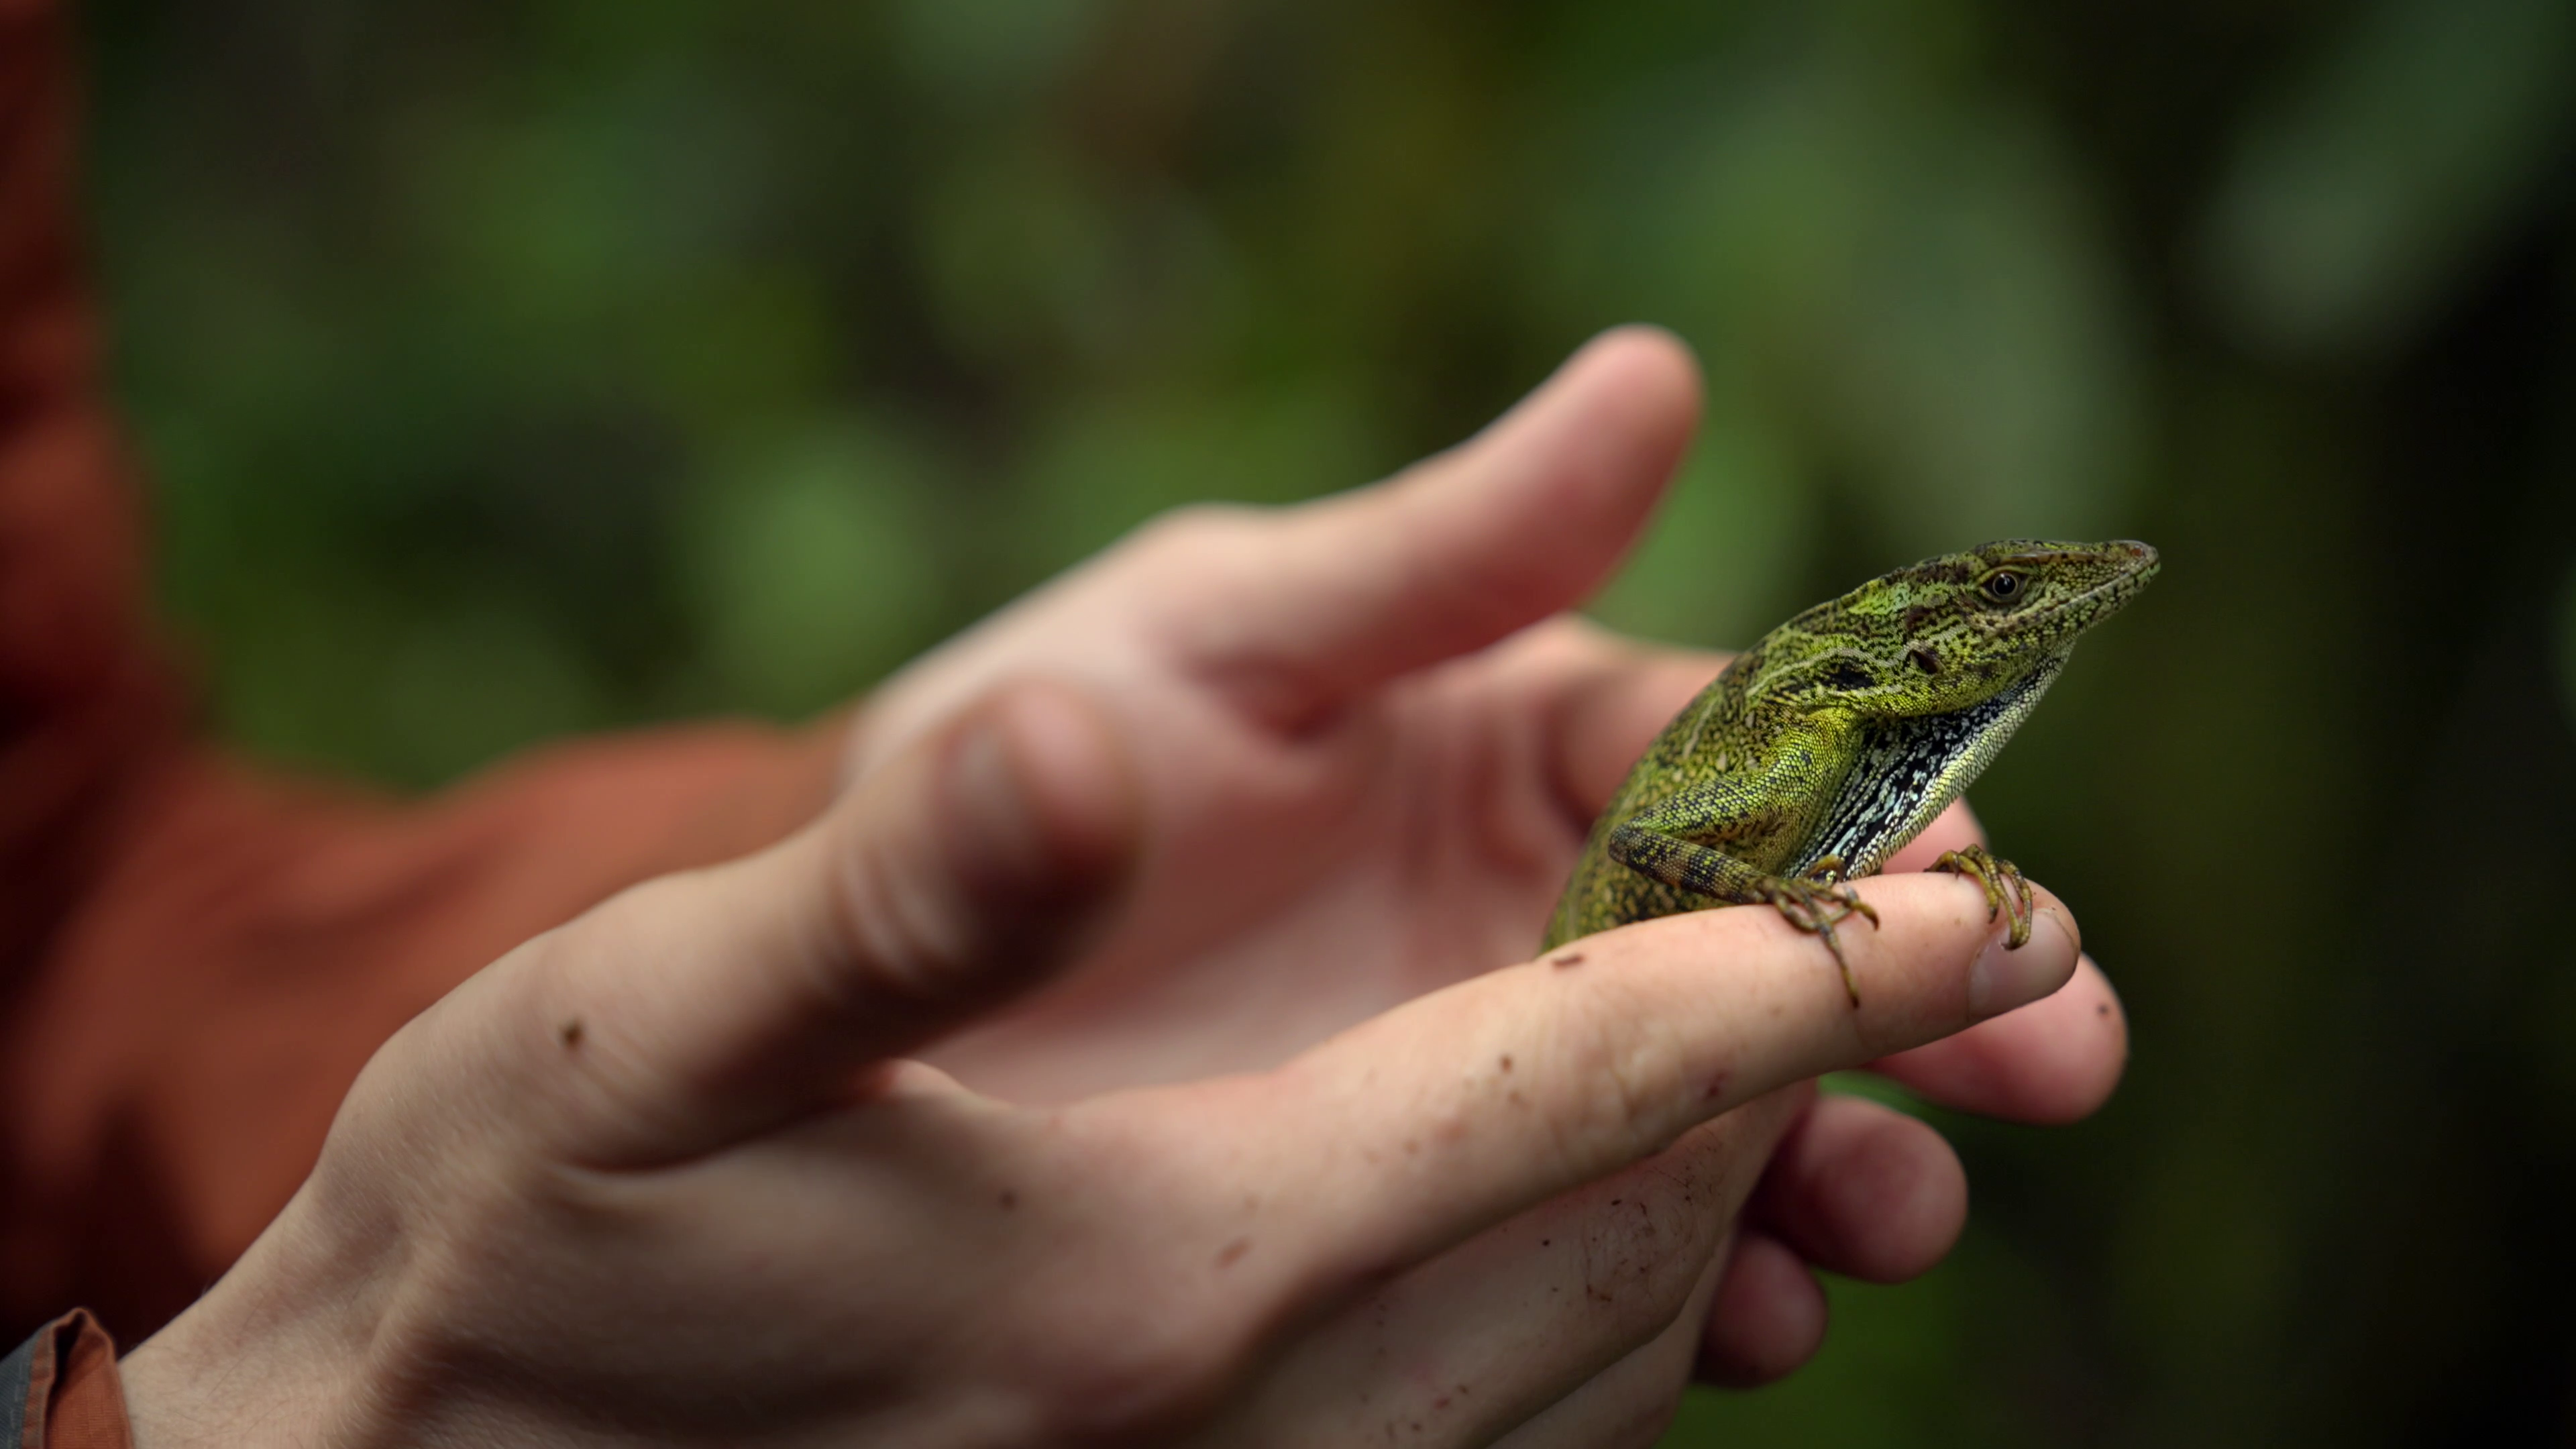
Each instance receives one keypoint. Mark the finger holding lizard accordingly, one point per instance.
(1872, 1193)
(2052, 1062)
(1579, 1176)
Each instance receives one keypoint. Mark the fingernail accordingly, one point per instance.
(2003, 978)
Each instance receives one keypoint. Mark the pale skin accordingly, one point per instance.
(1137, 1052)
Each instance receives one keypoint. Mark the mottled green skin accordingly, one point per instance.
(1836, 739)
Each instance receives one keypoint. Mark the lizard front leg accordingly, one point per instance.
(2007, 892)
(1815, 902)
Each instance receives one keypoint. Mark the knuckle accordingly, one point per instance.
(1619, 1060)
(1646, 1258)
(1675, 1242)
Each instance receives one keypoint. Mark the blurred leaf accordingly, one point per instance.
(983, 51)
(1020, 254)
(811, 567)
(481, 678)
(2360, 199)
(2564, 633)
(1915, 291)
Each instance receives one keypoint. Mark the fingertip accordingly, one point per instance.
(2004, 976)
(1767, 1319)
(968, 868)
(2096, 1063)
(1521, 522)
(1636, 392)
(1045, 766)
(1864, 1190)
(2052, 1062)
(1658, 369)
(1588, 451)
(2044, 899)
(991, 859)
(2077, 1047)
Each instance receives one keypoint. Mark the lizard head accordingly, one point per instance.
(1955, 631)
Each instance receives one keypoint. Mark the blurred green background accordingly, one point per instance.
(507, 369)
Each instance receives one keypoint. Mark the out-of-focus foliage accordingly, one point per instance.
(511, 369)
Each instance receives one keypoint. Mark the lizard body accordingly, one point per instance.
(1827, 746)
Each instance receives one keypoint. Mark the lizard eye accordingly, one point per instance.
(2003, 586)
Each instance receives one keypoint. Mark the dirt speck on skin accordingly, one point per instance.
(570, 1033)
(1232, 1253)
(1569, 958)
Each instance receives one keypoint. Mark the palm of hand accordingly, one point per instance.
(1306, 869)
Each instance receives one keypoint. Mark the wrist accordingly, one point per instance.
(279, 1351)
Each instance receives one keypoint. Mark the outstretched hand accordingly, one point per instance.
(1191, 872)
(1375, 742)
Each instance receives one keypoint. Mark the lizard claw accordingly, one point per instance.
(1831, 877)
(1815, 902)
(2007, 891)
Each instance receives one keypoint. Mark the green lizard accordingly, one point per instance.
(1834, 741)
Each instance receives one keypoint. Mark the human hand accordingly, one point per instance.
(1229, 702)
(1373, 746)
(661, 1176)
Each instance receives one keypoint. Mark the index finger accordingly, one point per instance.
(1527, 518)
(1419, 1128)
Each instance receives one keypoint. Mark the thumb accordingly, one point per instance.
(707, 1007)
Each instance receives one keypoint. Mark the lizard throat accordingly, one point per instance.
(1909, 770)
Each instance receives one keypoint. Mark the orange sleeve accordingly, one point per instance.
(84, 696)
(196, 956)
(63, 1391)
